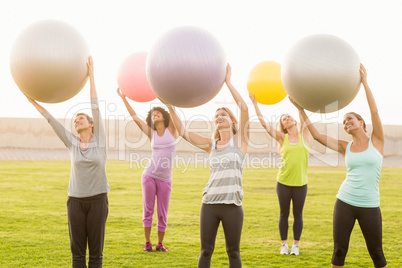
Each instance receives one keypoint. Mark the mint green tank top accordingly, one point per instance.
(363, 171)
(294, 163)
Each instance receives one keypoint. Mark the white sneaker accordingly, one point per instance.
(285, 249)
(294, 250)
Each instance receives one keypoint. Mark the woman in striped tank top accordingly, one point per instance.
(223, 194)
(157, 176)
(358, 197)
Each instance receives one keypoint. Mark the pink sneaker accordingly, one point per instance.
(161, 247)
(148, 247)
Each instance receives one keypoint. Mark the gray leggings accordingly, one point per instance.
(232, 222)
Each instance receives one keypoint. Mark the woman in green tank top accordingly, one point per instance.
(292, 175)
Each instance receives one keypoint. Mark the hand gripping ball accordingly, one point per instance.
(48, 61)
(321, 73)
(264, 82)
(186, 67)
(132, 79)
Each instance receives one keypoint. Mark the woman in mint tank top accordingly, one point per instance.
(291, 185)
(223, 194)
(358, 197)
(156, 179)
(87, 202)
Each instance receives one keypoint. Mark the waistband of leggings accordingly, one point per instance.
(89, 198)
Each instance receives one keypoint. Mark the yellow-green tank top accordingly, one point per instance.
(294, 163)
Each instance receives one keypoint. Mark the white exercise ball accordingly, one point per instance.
(321, 73)
(186, 67)
(48, 61)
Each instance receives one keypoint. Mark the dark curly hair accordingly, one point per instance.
(164, 113)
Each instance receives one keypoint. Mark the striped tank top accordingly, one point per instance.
(225, 180)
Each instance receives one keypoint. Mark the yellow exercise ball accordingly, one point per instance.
(48, 61)
(264, 82)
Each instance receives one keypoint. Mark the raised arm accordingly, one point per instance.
(244, 123)
(140, 123)
(277, 135)
(90, 66)
(65, 136)
(195, 139)
(377, 136)
(172, 127)
(98, 129)
(334, 144)
(303, 128)
(37, 106)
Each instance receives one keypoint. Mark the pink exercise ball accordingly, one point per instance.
(186, 67)
(132, 79)
(48, 61)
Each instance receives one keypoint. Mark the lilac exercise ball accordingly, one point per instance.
(186, 67)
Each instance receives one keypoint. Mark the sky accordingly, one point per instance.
(250, 32)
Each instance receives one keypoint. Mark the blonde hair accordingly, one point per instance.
(280, 126)
(235, 126)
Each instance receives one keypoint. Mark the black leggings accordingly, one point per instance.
(370, 223)
(86, 224)
(232, 223)
(298, 195)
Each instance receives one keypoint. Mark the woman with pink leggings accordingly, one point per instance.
(157, 176)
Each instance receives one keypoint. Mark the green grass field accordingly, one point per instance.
(34, 231)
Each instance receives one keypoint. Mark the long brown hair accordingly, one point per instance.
(360, 118)
(235, 126)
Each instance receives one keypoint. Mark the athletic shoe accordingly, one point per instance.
(294, 250)
(285, 249)
(148, 247)
(161, 247)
